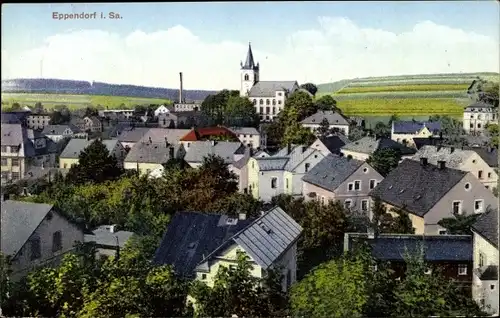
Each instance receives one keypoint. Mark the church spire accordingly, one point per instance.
(249, 62)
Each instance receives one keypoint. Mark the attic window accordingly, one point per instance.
(403, 190)
(467, 186)
(231, 221)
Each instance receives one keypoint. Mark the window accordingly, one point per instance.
(479, 125)
(442, 232)
(267, 110)
(4, 161)
(268, 102)
(467, 186)
(280, 94)
(487, 187)
(365, 170)
(246, 77)
(279, 102)
(4, 149)
(15, 162)
(36, 251)
(462, 269)
(288, 278)
(56, 241)
(482, 259)
(255, 102)
(350, 186)
(203, 276)
(261, 102)
(480, 174)
(15, 176)
(274, 110)
(457, 207)
(14, 149)
(478, 206)
(307, 165)
(274, 102)
(471, 125)
(357, 185)
(286, 183)
(274, 183)
(347, 203)
(373, 183)
(261, 110)
(364, 205)
(489, 175)
(492, 287)
(65, 166)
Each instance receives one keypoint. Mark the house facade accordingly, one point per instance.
(35, 234)
(477, 116)
(281, 173)
(485, 278)
(339, 178)
(330, 144)
(335, 121)
(71, 153)
(37, 121)
(92, 124)
(59, 132)
(162, 109)
(148, 156)
(430, 193)
(268, 97)
(187, 107)
(251, 137)
(405, 131)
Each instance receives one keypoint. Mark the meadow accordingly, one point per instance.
(78, 101)
(404, 88)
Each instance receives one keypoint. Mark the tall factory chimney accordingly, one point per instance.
(180, 89)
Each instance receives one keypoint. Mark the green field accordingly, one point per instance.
(407, 106)
(404, 88)
(77, 101)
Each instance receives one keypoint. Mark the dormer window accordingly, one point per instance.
(231, 221)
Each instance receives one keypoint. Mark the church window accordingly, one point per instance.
(261, 110)
(261, 102)
(268, 102)
(279, 102)
(274, 110)
(274, 102)
(267, 110)
(246, 77)
(255, 102)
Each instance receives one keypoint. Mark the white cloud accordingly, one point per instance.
(337, 49)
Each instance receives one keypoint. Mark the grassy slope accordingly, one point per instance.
(405, 88)
(77, 101)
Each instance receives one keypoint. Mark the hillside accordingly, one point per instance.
(60, 87)
(404, 94)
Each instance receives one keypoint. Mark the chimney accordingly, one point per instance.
(304, 148)
(150, 140)
(423, 161)
(441, 164)
(289, 148)
(242, 216)
(180, 88)
(452, 149)
(171, 152)
(166, 142)
(251, 151)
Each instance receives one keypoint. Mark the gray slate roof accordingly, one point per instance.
(486, 225)
(271, 163)
(19, 221)
(59, 129)
(334, 118)
(489, 272)
(131, 134)
(244, 160)
(480, 107)
(76, 146)
(415, 187)
(331, 172)
(293, 158)
(156, 152)
(453, 156)
(489, 155)
(159, 134)
(269, 88)
(104, 237)
(334, 142)
(411, 127)
(369, 145)
(437, 248)
(16, 135)
(245, 130)
(225, 149)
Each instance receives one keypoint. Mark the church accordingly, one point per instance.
(268, 97)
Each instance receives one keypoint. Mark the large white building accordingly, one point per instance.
(477, 116)
(268, 97)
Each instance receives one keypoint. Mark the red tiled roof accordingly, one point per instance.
(197, 134)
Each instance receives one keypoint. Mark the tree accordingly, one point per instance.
(171, 125)
(241, 112)
(223, 180)
(356, 132)
(334, 289)
(384, 222)
(489, 93)
(91, 111)
(298, 106)
(451, 128)
(38, 109)
(324, 128)
(95, 164)
(310, 87)
(459, 224)
(327, 102)
(16, 107)
(381, 130)
(237, 292)
(5, 283)
(215, 106)
(384, 160)
(60, 116)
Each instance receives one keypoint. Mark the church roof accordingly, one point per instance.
(249, 62)
(269, 88)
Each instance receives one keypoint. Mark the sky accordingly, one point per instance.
(319, 42)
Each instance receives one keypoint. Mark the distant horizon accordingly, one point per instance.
(321, 42)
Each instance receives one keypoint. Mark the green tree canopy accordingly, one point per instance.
(384, 160)
(459, 224)
(310, 87)
(326, 102)
(240, 112)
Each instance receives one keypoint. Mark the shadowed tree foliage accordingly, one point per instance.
(95, 164)
(327, 102)
(310, 87)
(460, 224)
(324, 128)
(384, 160)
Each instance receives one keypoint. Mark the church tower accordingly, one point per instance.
(249, 73)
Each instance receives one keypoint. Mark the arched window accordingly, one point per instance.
(255, 102)
(247, 77)
(268, 102)
(261, 102)
(274, 102)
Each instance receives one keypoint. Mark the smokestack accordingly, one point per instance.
(180, 89)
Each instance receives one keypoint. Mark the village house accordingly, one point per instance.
(116, 113)
(108, 239)
(15, 117)
(485, 278)
(362, 149)
(22, 149)
(268, 97)
(92, 124)
(340, 178)
(71, 153)
(162, 109)
(188, 106)
(451, 254)
(405, 131)
(251, 137)
(281, 173)
(185, 119)
(59, 132)
(477, 116)
(430, 193)
(219, 133)
(35, 234)
(198, 244)
(487, 153)
(457, 158)
(154, 150)
(129, 136)
(335, 121)
(261, 154)
(38, 121)
(230, 151)
(330, 144)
